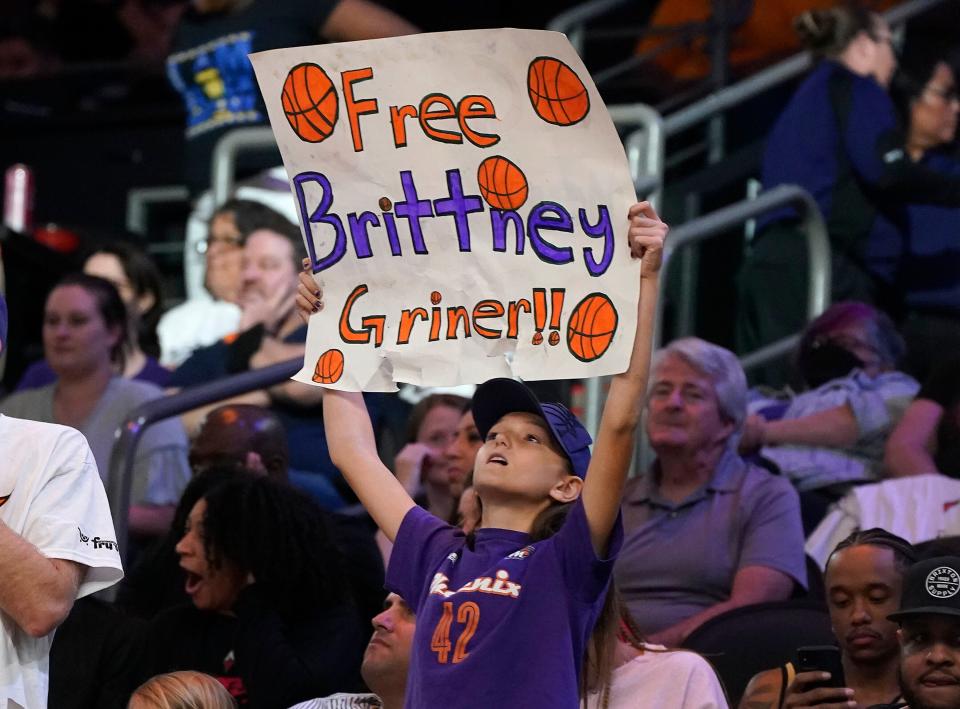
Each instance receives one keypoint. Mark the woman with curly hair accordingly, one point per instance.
(271, 615)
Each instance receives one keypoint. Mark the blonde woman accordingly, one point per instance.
(181, 690)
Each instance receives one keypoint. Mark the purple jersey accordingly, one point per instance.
(505, 624)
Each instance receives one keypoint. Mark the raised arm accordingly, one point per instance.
(350, 439)
(613, 450)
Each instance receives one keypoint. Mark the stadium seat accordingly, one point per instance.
(747, 640)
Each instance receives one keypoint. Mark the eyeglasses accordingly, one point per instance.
(948, 95)
(203, 246)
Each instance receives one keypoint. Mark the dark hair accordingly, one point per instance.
(253, 216)
(278, 534)
(109, 306)
(426, 405)
(250, 215)
(828, 32)
(914, 72)
(904, 555)
(144, 277)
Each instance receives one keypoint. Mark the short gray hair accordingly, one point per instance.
(724, 370)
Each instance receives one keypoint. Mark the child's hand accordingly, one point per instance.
(309, 297)
(647, 233)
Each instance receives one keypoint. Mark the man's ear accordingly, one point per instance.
(568, 489)
(145, 302)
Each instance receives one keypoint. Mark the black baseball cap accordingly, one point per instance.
(496, 398)
(931, 587)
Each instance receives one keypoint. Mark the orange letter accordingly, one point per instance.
(516, 306)
(407, 320)
(398, 114)
(448, 111)
(371, 322)
(454, 316)
(487, 309)
(355, 108)
(476, 107)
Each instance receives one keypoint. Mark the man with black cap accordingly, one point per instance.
(56, 544)
(929, 635)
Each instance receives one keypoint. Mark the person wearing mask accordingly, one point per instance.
(832, 435)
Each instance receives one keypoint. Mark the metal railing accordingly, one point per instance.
(137, 421)
(818, 253)
(224, 160)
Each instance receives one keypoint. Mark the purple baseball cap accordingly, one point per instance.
(496, 398)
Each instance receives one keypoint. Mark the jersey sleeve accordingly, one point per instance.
(585, 573)
(421, 544)
(69, 517)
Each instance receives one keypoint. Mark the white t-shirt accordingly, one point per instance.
(51, 495)
(193, 324)
(676, 679)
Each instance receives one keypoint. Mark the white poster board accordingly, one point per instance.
(463, 198)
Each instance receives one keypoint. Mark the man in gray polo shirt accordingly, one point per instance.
(706, 532)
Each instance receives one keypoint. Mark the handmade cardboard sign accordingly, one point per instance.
(463, 198)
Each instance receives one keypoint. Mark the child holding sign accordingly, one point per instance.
(504, 616)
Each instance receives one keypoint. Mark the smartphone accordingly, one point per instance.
(822, 658)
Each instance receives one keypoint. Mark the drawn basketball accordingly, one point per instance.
(435, 297)
(591, 328)
(329, 367)
(537, 338)
(502, 184)
(554, 338)
(310, 102)
(556, 92)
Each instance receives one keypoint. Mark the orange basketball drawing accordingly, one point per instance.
(435, 297)
(537, 338)
(310, 102)
(556, 92)
(329, 367)
(591, 328)
(502, 184)
(554, 338)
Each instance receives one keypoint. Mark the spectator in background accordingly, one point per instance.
(929, 618)
(864, 582)
(927, 439)
(926, 94)
(435, 463)
(84, 331)
(271, 615)
(422, 465)
(705, 532)
(241, 435)
(839, 138)
(832, 435)
(271, 332)
(138, 282)
(181, 690)
(214, 312)
(622, 671)
(56, 540)
(208, 63)
(385, 662)
(208, 67)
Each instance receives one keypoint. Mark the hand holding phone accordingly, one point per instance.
(819, 681)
